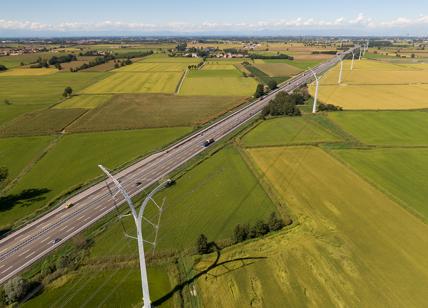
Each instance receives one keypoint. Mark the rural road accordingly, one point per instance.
(30, 243)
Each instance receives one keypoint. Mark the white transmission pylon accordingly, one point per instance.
(341, 70)
(314, 107)
(352, 63)
(138, 219)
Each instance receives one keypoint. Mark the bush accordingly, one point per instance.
(282, 104)
(275, 223)
(241, 233)
(260, 91)
(15, 289)
(329, 107)
(3, 68)
(272, 84)
(202, 245)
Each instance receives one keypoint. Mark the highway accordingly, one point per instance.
(30, 243)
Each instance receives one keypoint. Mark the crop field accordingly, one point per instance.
(287, 131)
(8, 112)
(218, 66)
(84, 101)
(17, 153)
(43, 122)
(226, 60)
(348, 243)
(15, 61)
(74, 160)
(132, 111)
(155, 82)
(399, 128)
(218, 82)
(278, 69)
(154, 67)
(28, 72)
(300, 64)
(212, 198)
(102, 67)
(162, 58)
(99, 287)
(400, 172)
(43, 90)
(376, 85)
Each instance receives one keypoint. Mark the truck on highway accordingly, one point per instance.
(208, 142)
(69, 205)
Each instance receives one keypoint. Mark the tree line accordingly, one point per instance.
(285, 104)
(278, 56)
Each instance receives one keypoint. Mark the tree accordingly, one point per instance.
(275, 223)
(15, 289)
(202, 245)
(261, 228)
(4, 172)
(260, 91)
(47, 267)
(272, 84)
(7, 102)
(3, 68)
(67, 92)
(241, 233)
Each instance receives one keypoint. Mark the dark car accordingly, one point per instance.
(56, 241)
(208, 142)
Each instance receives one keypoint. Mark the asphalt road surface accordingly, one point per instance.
(30, 243)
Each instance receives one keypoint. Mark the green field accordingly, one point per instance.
(84, 102)
(287, 131)
(74, 160)
(218, 66)
(133, 111)
(218, 82)
(44, 90)
(301, 64)
(154, 82)
(112, 287)
(43, 122)
(407, 128)
(211, 198)
(154, 67)
(400, 172)
(353, 247)
(162, 58)
(17, 153)
(8, 112)
(278, 69)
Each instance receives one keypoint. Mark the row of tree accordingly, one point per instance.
(195, 66)
(244, 232)
(277, 56)
(284, 104)
(54, 60)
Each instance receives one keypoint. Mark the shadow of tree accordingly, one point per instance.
(215, 264)
(24, 198)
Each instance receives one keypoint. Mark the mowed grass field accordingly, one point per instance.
(212, 198)
(74, 160)
(402, 173)
(398, 128)
(43, 122)
(17, 153)
(218, 83)
(44, 90)
(278, 69)
(84, 102)
(28, 72)
(153, 82)
(288, 131)
(353, 246)
(376, 85)
(154, 110)
(154, 67)
(111, 287)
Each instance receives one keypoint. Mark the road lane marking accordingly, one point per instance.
(23, 253)
(6, 269)
(45, 240)
(30, 254)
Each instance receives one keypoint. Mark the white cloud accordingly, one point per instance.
(360, 21)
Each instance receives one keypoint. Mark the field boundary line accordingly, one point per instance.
(180, 84)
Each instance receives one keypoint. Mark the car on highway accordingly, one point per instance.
(208, 142)
(69, 205)
(56, 241)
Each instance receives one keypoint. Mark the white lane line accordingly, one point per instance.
(23, 253)
(6, 269)
(30, 254)
(1, 266)
(45, 240)
(87, 218)
(66, 226)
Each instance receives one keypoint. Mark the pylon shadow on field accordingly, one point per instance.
(242, 262)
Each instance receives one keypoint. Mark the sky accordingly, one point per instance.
(234, 17)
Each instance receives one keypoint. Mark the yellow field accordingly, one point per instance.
(84, 101)
(215, 66)
(376, 85)
(154, 67)
(28, 72)
(156, 82)
(353, 246)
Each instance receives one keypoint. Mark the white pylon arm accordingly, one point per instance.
(341, 70)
